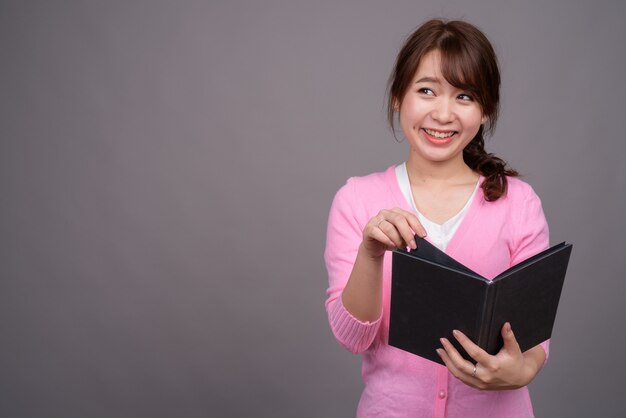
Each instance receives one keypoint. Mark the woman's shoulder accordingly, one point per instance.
(371, 182)
(520, 202)
(374, 179)
(519, 190)
(370, 192)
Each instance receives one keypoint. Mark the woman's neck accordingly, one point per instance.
(440, 189)
(440, 174)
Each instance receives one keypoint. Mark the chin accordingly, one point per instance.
(437, 155)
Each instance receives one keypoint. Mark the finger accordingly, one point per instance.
(392, 233)
(400, 222)
(377, 234)
(454, 369)
(456, 358)
(448, 362)
(414, 223)
(474, 351)
(510, 342)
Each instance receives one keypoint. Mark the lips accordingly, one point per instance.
(438, 137)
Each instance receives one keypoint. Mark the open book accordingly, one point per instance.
(433, 294)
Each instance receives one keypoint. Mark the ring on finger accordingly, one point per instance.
(381, 221)
(474, 371)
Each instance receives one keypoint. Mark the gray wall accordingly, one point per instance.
(166, 169)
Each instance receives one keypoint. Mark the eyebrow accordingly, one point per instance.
(427, 80)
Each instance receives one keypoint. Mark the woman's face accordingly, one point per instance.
(438, 119)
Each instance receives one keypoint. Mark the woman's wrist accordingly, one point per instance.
(533, 361)
(374, 255)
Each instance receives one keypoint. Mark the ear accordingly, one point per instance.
(396, 105)
(484, 119)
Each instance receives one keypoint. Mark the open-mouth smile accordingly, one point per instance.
(438, 137)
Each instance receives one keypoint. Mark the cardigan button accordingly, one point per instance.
(442, 394)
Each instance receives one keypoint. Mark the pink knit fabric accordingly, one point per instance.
(492, 237)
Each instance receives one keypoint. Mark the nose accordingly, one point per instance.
(443, 111)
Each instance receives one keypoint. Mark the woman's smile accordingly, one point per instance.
(439, 137)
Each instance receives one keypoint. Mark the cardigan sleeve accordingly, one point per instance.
(532, 236)
(344, 235)
(531, 229)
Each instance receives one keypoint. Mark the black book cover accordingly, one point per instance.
(433, 294)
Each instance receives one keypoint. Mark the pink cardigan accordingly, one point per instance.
(492, 237)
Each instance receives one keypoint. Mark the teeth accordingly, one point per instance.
(439, 134)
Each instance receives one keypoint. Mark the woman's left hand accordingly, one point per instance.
(509, 369)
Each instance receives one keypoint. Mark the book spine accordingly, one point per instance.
(486, 321)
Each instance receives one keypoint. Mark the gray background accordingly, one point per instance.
(166, 169)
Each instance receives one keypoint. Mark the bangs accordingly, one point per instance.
(462, 69)
(465, 65)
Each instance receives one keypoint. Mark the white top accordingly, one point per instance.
(438, 234)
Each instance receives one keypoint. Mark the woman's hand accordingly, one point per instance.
(389, 230)
(509, 369)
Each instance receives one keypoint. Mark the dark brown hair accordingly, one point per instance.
(468, 62)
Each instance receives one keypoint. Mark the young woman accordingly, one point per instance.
(444, 95)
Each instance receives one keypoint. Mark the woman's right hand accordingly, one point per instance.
(391, 229)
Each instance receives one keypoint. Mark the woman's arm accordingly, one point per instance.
(388, 230)
(354, 267)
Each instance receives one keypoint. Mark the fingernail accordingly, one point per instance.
(443, 341)
(413, 244)
(439, 352)
(456, 333)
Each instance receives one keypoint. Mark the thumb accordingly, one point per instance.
(510, 343)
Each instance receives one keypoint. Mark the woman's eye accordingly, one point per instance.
(426, 90)
(466, 97)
